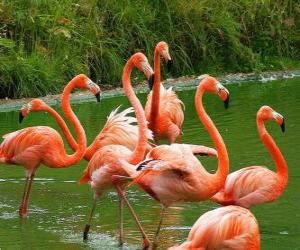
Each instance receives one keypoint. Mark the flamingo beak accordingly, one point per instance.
(226, 102)
(169, 64)
(142, 165)
(98, 97)
(21, 117)
(282, 126)
(151, 81)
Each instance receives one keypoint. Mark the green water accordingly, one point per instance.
(59, 206)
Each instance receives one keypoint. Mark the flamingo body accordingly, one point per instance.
(249, 186)
(119, 129)
(32, 146)
(174, 175)
(103, 165)
(230, 227)
(255, 185)
(169, 119)
(164, 111)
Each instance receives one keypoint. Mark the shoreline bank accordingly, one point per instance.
(178, 84)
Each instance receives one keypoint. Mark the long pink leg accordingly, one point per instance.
(121, 229)
(88, 225)
(25, 200)
(162, 213)
(117, 179)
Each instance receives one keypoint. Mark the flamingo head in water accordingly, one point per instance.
(266, 113)
(212, 85)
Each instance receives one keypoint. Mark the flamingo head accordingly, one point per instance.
(83, 82)
(140, 61)
(212, 85)
(33, 105)
(266, 113)
(163, 50)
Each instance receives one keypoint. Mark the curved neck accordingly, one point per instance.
(69, 114)
(156, 91)
(223, 160)
(140, 149)
(63, 126)
(274, 151)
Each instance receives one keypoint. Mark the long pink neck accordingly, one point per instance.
(63, 126)
(140, 149)
(71, 117)
(223, 160)
(156, 91)
(274, 151)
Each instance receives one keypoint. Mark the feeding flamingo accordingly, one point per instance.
(37, 145)
(164, 111)
(230, 227)
(255, 185)
(171, 173)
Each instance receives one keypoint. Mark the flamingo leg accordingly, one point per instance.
(162, 213)
(116, 179)
(121, 228)
(88, 225)
(25, 200)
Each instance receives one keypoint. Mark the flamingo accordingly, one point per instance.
(230, 227)
(119, 129)
(164, 111)
(255, 185)
(104, 162)
(171, 173)
(37, 145)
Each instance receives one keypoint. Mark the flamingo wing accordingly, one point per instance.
(119, 129)
(203, 150)
(172, 107)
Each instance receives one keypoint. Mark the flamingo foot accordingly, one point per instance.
(146, 244)
(86, 232)
(23, 211)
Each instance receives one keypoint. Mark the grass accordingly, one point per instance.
(44, 43)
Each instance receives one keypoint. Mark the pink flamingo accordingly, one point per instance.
(104, 163)
(230, 227)
(119, 129)
(163, 109)
(255, 185)
(33, 146)
(171, 173)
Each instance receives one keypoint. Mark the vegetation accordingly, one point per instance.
(44, 43)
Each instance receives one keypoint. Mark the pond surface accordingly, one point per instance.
(59, 206)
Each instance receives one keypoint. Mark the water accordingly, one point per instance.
(59, 206)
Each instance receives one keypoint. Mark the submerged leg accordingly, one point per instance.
(116, 179)
(88, 225)
(25, 200)
(121, 229)
(162, 213)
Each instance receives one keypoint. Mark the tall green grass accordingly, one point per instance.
(44, 43)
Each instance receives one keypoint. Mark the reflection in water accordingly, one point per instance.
(59, 206)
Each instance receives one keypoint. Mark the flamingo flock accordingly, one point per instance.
(121, 155)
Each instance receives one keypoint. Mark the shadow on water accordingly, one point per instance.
(59, 206)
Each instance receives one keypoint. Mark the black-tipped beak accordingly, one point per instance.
(98, 97)
(142, 165)
(169, 65)
(151, 81)
(282, 126)
(226, 102)
(21, 117)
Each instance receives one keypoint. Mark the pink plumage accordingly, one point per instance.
(230, 227)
